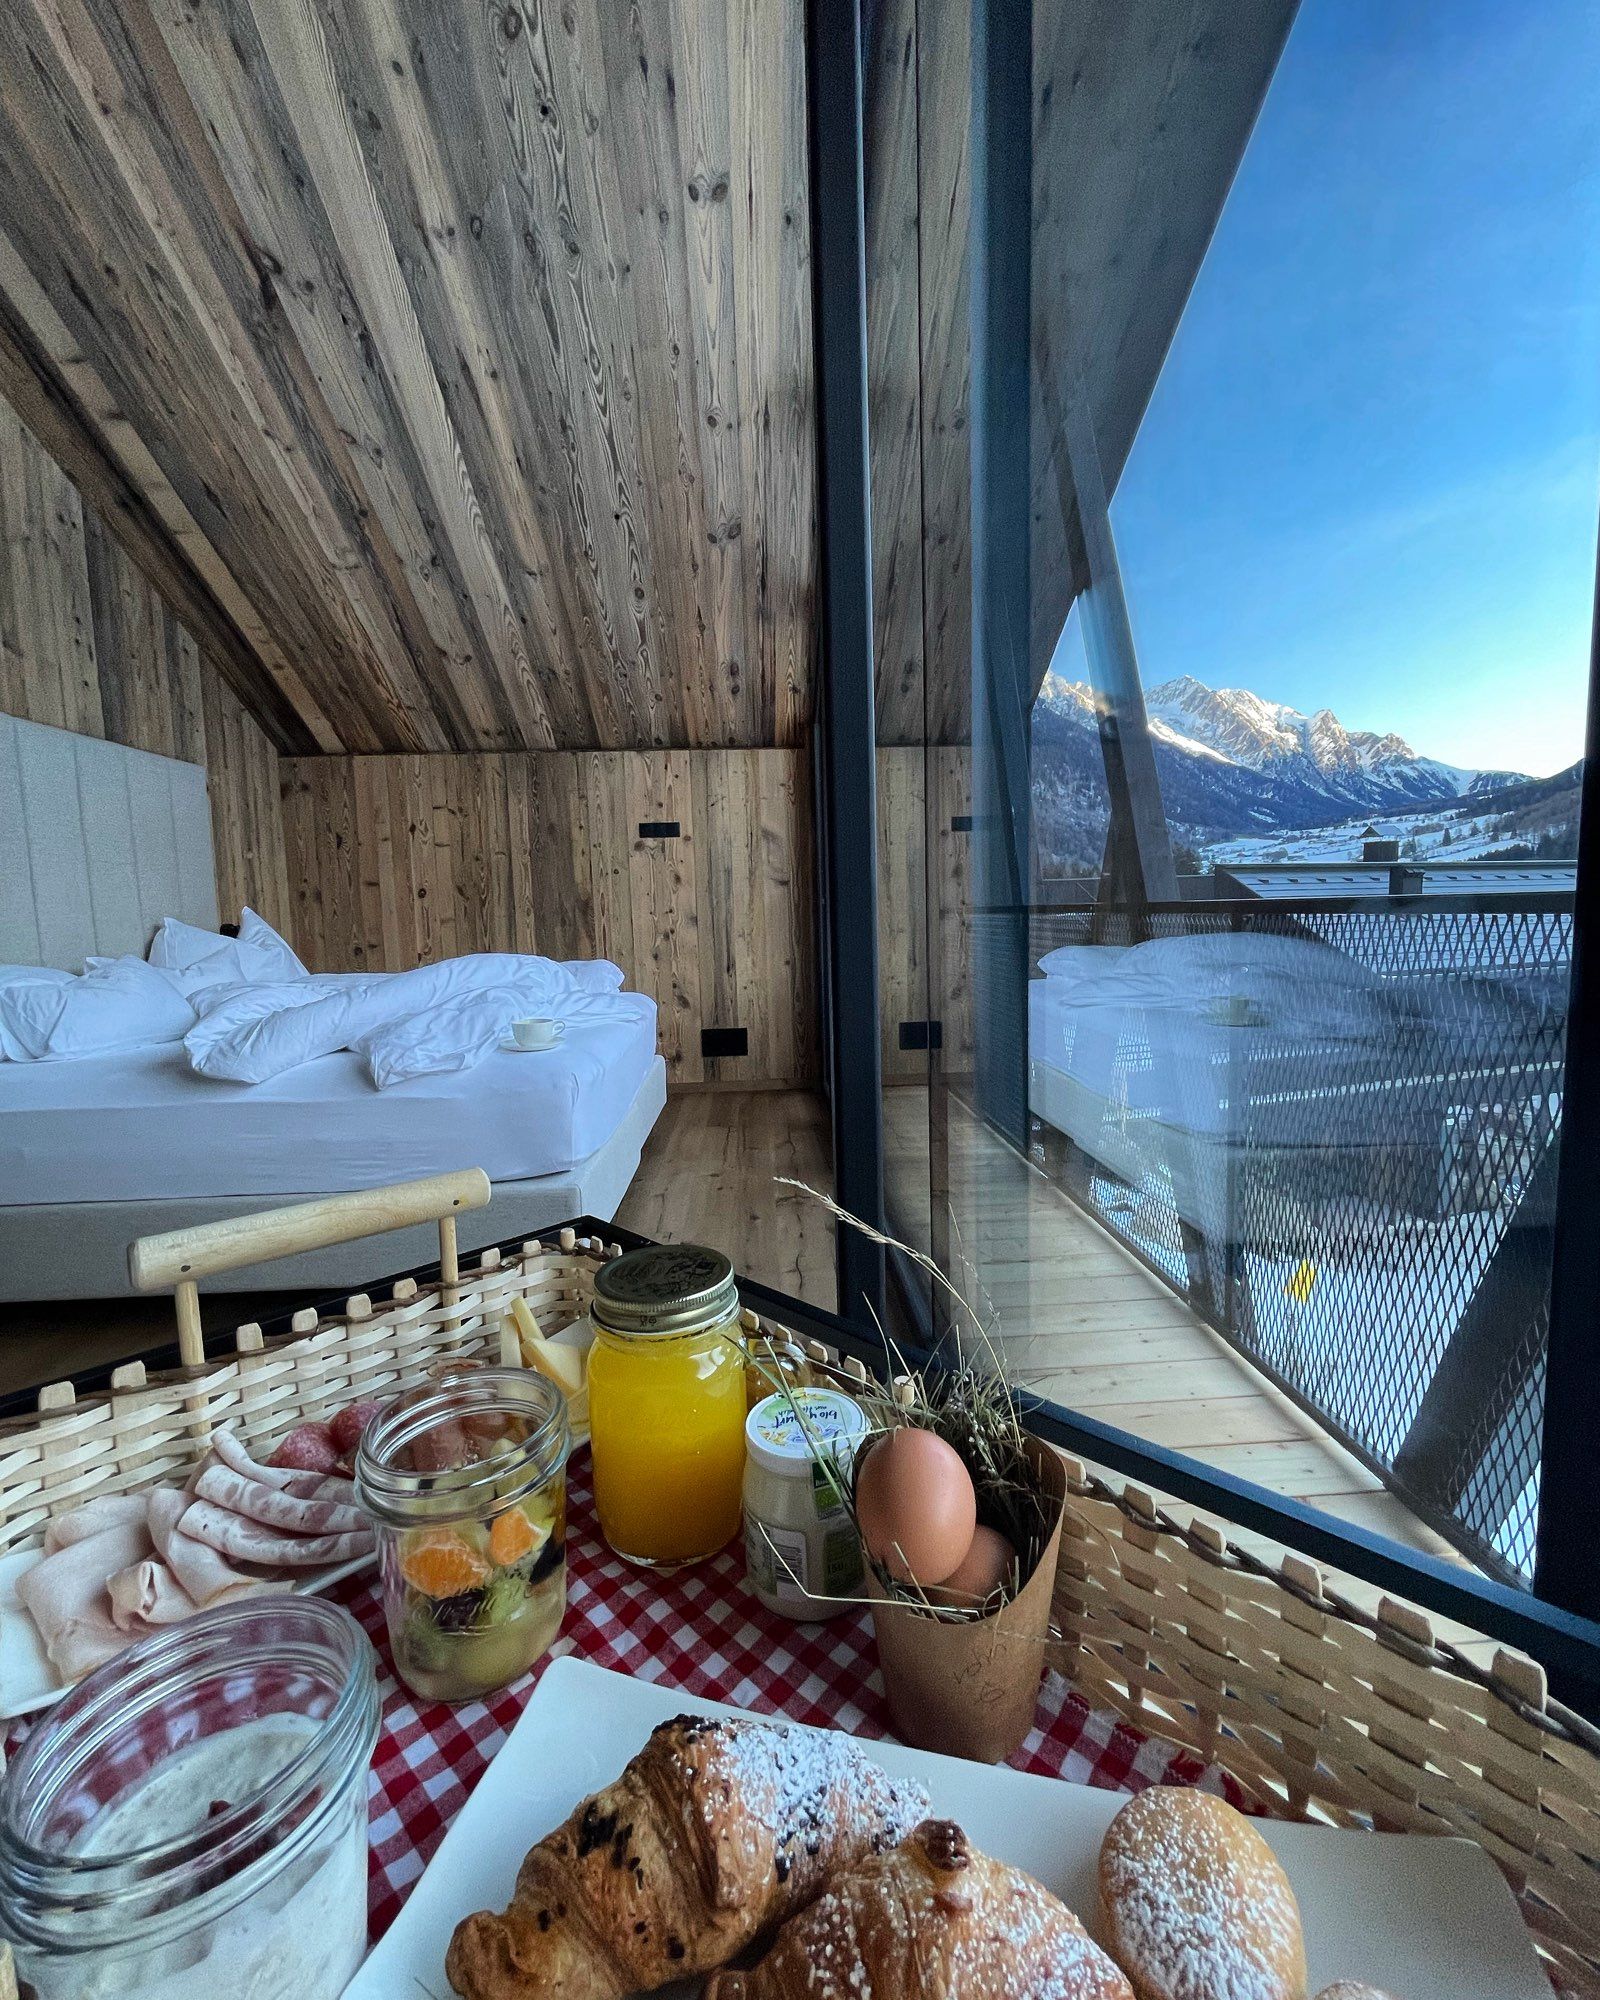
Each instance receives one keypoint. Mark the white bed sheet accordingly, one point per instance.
(140, 1125)
(1179, 1077)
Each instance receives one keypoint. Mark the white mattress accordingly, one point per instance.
(1142, 1063)
(140, 1125)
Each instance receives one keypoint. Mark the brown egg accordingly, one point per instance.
(916, 1505)
(984, 1567)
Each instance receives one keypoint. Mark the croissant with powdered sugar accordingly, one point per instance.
(713, 1835)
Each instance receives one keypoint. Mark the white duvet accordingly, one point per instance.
(437, 1019)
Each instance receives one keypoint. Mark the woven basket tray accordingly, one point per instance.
(1318, 1710)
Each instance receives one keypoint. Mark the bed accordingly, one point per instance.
(100, 844)
(1189, 1060)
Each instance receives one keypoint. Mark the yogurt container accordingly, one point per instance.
(802, 1552)
(191, 1821)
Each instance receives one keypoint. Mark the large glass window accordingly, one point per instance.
(1267, 1171)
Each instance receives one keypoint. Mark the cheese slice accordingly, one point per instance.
(524, 1325)
(567, 1367)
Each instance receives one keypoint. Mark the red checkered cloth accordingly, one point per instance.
(704, 1633)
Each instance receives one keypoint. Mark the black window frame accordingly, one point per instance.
(1555, 1622)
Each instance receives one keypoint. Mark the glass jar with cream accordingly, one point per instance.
(667, 1403)
(191, 1821)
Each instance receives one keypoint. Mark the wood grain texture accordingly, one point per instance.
(462, 356)
(396, 861)
(903, 986)
(925, 905)
(708, 1174)
(88, 644)
(895, 367)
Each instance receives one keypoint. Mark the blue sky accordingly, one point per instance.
(1369, 478)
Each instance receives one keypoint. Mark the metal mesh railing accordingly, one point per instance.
(1333, 1127)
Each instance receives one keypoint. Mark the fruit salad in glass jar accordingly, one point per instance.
(466, 1484)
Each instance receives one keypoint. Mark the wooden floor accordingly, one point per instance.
(1086, 1324)
(708, 1176)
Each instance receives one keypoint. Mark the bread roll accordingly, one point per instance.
(1194, 1903)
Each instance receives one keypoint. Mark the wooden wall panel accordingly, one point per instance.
(925, 926)
(950, 953)
(396, 861)
(89, 645)
(895, 367)
(465, 352)
(902, 906)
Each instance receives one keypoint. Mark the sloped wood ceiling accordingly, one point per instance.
(464, 350)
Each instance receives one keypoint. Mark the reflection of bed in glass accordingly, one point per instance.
(1186, 1060)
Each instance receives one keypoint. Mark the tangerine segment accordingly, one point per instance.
(439, 1563)
(511, 1537)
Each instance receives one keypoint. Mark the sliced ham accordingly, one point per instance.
(93, 1517)
(226, 1446)
(147, 1593)
(65, 1595)
(244, 1540)
(274, 1507)
(126, 1564)
(207, 1577)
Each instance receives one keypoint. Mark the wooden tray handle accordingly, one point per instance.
(181, 1257)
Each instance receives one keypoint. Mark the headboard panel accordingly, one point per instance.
(97, 844)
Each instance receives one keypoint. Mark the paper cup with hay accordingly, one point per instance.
(962, 1657)
(959, 1509)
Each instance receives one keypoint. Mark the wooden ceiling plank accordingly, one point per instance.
(393, 637)
(772, 283)
(108, 272)
(109, 53)
(292, 36)
(582, 78)
(894, 370)
(644, 140)
(496, 106)
(281, 221)
(704, 114)
(550, 86)
(46, 377)
(433, 349)
(435, 206)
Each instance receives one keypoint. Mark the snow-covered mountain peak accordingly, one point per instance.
(1230, 756)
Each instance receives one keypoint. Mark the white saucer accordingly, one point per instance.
(515, 1048)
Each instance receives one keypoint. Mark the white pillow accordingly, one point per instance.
(118, 1003)
(272, 955)
(1078, 961)
(593, 975)
(12, 979)
(200, 958)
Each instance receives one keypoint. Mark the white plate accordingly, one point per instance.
(28, 1681)
(542, 1049)
(1425, 1919)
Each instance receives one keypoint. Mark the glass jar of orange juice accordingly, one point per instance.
(667, 1403)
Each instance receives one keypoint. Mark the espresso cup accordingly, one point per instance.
(539, 1032)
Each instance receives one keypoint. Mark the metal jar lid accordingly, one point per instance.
(668, 1288)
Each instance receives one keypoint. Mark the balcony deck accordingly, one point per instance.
(1089, 1326)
